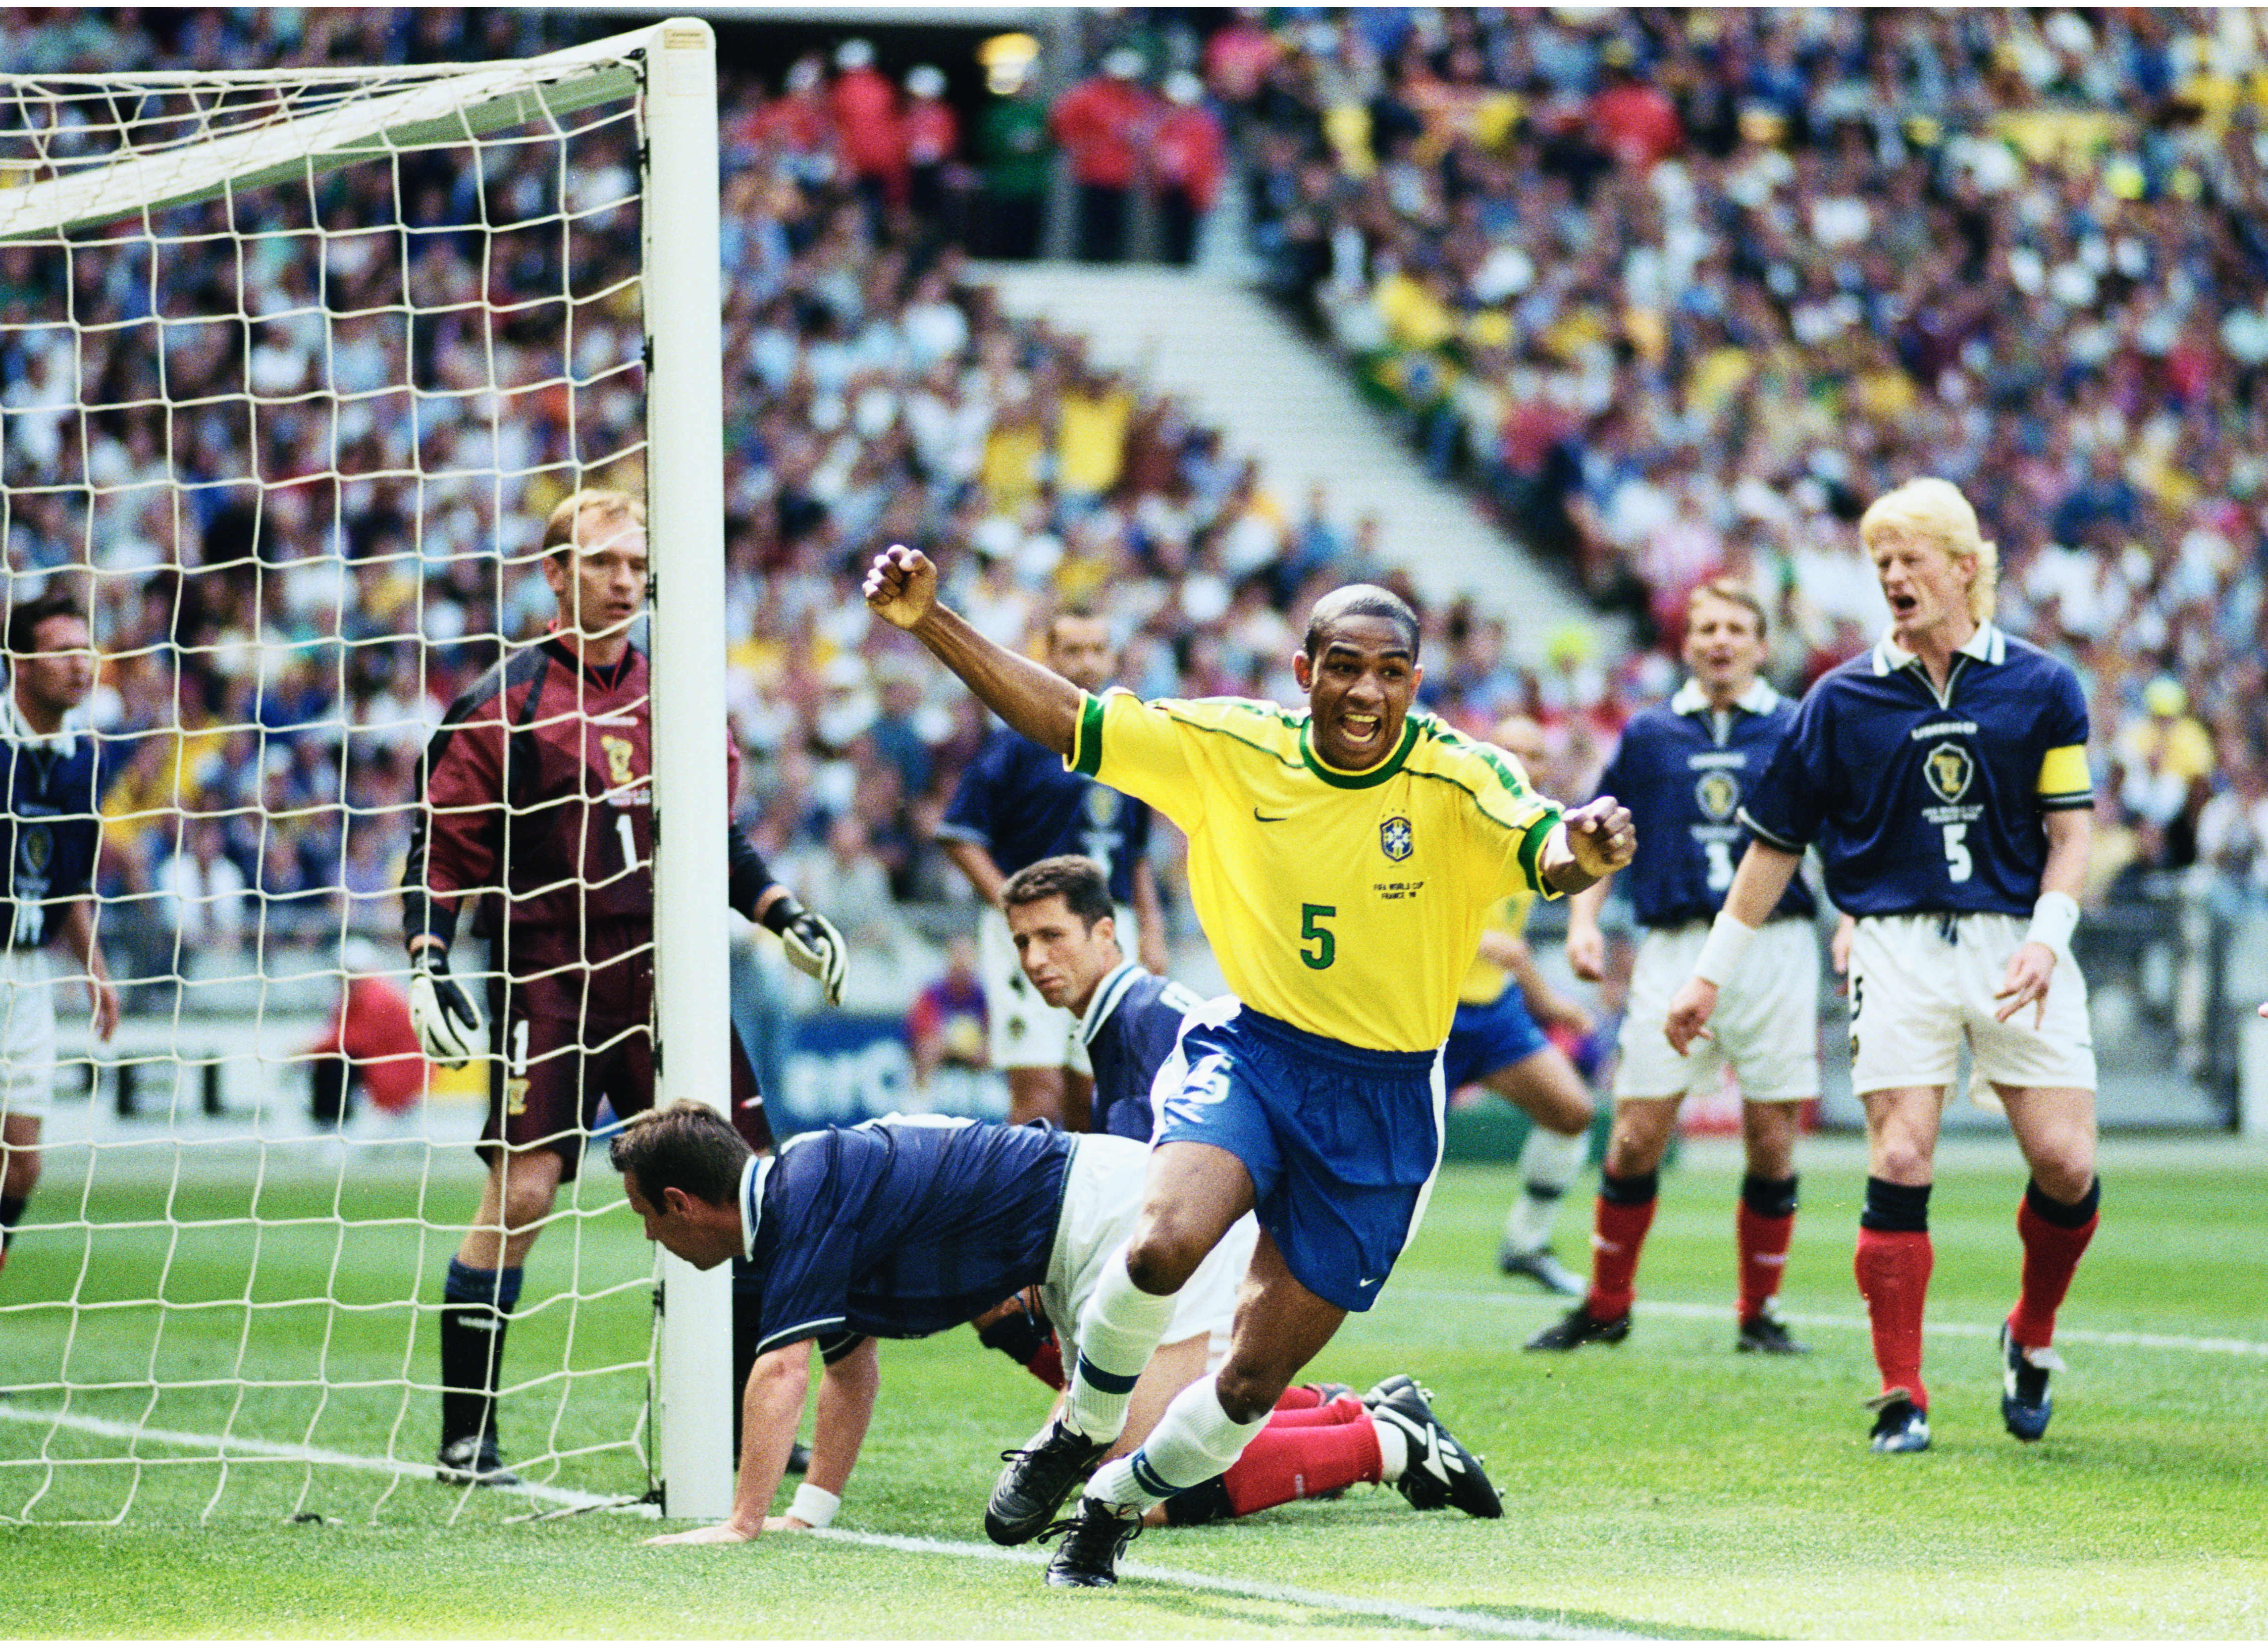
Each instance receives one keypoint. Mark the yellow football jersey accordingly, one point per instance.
(1347, 904)
(1484, 982)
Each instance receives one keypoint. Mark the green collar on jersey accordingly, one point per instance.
(1383, 771)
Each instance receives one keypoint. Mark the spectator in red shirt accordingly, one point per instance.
(1633, 121)
(865, 110)
(1188, 156)
(1103, 123)
(932, 141)
(1237, 58)
(369, 1043)
(946, 1023)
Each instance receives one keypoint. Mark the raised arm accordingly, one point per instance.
(1589, 844)
(901, 587)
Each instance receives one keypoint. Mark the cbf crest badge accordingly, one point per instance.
(1718, 794)
(1948, 769)
(1395, 838)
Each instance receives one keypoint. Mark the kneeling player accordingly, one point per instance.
(904, 1227)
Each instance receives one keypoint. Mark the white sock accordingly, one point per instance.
(1393, 1449)
(1548, 1166)
(1117, 1332)
(1194, 1442)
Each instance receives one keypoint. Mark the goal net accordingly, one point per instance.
(293, 364)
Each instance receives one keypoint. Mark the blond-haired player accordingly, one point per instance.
(1943, 777)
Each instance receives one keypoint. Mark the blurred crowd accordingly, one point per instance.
(1680, 291)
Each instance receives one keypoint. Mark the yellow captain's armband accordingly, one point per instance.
(2063, 778)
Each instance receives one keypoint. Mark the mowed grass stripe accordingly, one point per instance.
(1395, 1612)
(1951, 1330)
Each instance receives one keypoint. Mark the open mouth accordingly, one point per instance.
(1361, 729)
(1904, 604)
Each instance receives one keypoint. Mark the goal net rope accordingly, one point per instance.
(293, 364)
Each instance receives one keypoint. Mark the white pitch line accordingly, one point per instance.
(255, 1446)
(1397, 1612)
(2207, 1346)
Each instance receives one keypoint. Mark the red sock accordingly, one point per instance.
(1280, 1464)
(1344, 1410)
(1046, 1364)
(1893, 1269)
(1617, 1234)
(1763, 1241)
(2050, 1255)
(1299, 1397)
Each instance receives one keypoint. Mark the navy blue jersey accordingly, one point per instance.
(1132, 1022)
(51, 787)
(1682, 771)
(1018, 802)
(900, 1227)
(1927, 803)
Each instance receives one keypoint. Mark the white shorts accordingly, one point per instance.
(1766, 1023)
(27, 1033)
(1920, 984)
(1020, 1029)
(1103, 1199)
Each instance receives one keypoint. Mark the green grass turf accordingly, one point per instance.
(1669, 1487)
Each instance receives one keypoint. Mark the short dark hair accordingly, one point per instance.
(685, 1145)
(1068, 612)
(1732, 589)
(1361, 598)
(1079, 879)
(24, 620)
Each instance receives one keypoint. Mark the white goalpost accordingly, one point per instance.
(293, 363)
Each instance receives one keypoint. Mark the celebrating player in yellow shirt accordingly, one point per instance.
(1341, 861)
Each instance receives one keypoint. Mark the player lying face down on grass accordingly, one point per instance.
(904, 1227)
(1341, 861)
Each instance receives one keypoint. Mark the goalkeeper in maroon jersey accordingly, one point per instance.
(538, 813)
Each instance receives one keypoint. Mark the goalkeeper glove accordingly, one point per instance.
(813, 945)
(448, 1026)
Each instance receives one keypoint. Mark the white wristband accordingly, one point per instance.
(2054, 915)
(814, 1504)
(1720, 953)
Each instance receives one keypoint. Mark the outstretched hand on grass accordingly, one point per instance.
(717, 1533)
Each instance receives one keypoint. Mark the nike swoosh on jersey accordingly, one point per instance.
(1257, 815)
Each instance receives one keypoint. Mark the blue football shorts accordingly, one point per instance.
(1488, 1037)
(1342, 1143)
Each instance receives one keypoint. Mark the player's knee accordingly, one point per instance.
(1901, 1158)
(1248, 1390)
(22, 1174)
(2066, 1172)
(1159, 1258)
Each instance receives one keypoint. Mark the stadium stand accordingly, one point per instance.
(1674, 291)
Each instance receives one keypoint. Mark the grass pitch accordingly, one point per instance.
(1665, 1488)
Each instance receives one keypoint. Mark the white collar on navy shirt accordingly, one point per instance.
(1988, 643)
(752, 1202)
(61, 743)
(1109, 992)
(1759, 698)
